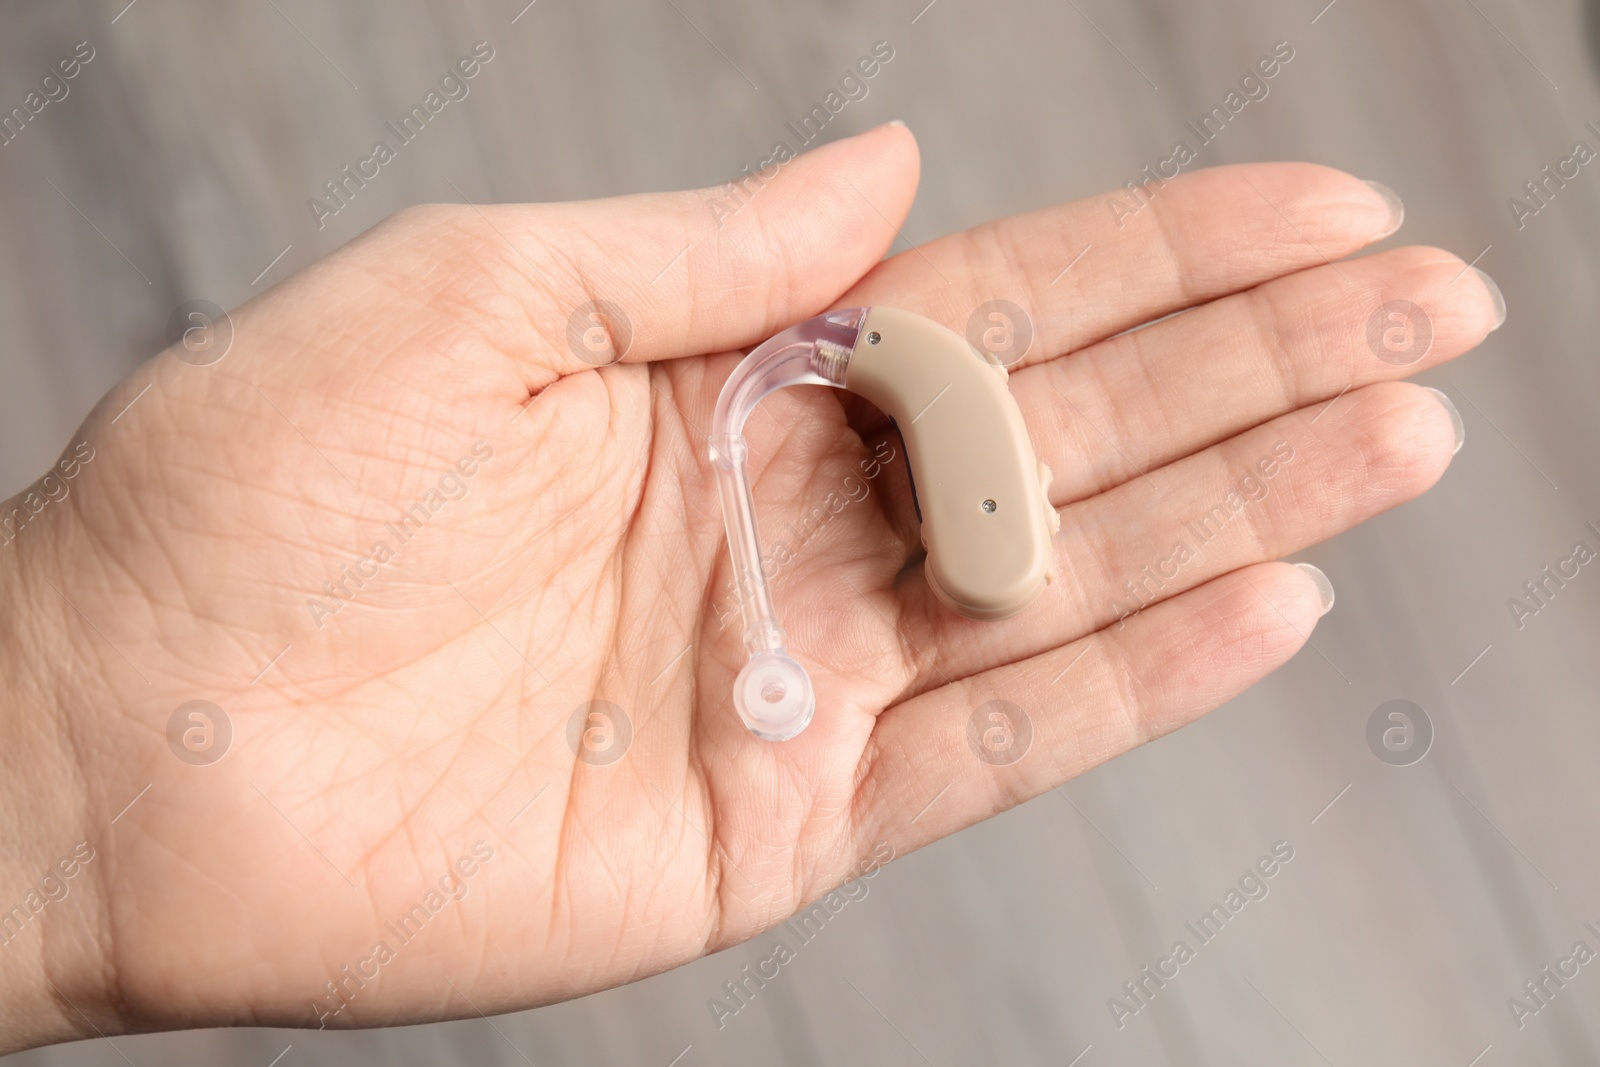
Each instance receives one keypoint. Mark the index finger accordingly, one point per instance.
(1079, 272)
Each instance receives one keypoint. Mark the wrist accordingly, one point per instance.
(53, 952)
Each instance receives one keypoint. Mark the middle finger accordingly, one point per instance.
(1141, 400)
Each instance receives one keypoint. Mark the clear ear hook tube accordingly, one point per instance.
(982, 496)
(773, 693)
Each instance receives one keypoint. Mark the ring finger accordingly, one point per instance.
(1269, 492)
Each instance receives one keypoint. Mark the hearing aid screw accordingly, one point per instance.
(989, 506)
(874, 337)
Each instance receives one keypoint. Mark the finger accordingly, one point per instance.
(943, 760)
(1265, 494)
(1144, 399)
(568, 287)
(1198, 237)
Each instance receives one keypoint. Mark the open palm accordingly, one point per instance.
(458, 598)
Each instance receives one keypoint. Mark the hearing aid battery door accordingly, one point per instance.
(986, 519)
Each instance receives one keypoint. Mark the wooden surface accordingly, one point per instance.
(1414, 906)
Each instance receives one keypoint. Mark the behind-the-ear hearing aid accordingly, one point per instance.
(983, 498)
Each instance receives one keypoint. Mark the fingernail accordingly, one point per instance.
(1496, 295)
(1455, 417)
(895, 122)
(1324, 587)
(1397, 209)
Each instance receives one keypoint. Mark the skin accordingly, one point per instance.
(585, 560)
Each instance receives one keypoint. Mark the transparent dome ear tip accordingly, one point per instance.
(773, 696)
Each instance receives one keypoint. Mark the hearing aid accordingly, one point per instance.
(981, 495)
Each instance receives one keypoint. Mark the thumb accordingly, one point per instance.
(572, 286)
(715, 269)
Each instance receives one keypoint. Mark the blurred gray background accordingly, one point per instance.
(1420, 897)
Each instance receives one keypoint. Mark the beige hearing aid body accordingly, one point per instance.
(982, 496)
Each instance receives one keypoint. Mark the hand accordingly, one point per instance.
(407, 529)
